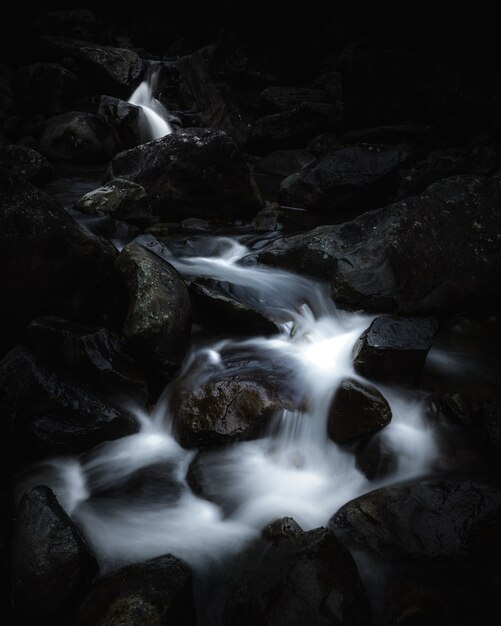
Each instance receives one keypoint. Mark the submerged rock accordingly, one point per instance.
(195, 172)
(394, 349)
(356, 410)
(159, 591)
(26, 163)
(422, 254)
(52, 566)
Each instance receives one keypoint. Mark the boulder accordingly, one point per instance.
(52, 566)
(356, 177)
(194, 172)
(26, 163)
(78, 136)
(123, 117)
(158, 591)
(300, 578)
(52, 412)
(284, 162)
(492, 421)
(118, 198)
(268, 218)
(394, 349)
(47, 88)
(202, 477)
(423, 254)
(50, 264)
(440, 520)
(280, 99)
(356, 410)
(157, 321)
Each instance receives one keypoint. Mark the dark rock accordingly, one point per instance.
(394, 349)
(158, 591)
(434, 519)
(219, 306)
(52, 412)
(284, 162)
(283, 528)
(268, 218)
(78, 23)
(492, 421)
(195, 172)
(78, 136)
(376, 459)
(461, 408)
(324, 143)
(420, 255)
(281, 99)
(118, 198)
(50, 264)
(124, 117)
(391, 134)
(294, 128)
(352, 178)
(195, 224)
(92, 354)
(203, 477)
(356, 410)
(308, 578)
(332, 83)
(46, 88)
(158, 319)
(51, 565)
(26, 163)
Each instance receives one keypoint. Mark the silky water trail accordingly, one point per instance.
(293, 470)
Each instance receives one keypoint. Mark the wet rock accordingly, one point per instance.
(158, 591)
(284, 162)
(351, 178)
(194, 172)
(390, 134)
(50, 264)
(461, 408)
(492, 421)
(220, 307)
(420, 255)
(281, 99)
(195, 224)
(52, 566)
(375, 459)
(77, 136)
(324, 143)
(118, 198)
(268, 218)
(95, 355)
(123, 117)
(47, 88)
(26, 163)
(158, 318)
(394, 349)
(202, 477)
(434, 519)
(304, 578)
(51, 412)
(283, 528)
(356, 410)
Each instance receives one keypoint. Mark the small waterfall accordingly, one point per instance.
(154, 115)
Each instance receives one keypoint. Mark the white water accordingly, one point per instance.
(154, 115)
(294, 470)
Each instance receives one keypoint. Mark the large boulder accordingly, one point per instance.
(46, 88)
(121, 115)
(52, 566)
(26, 163)
(300, 578)
(77, 136)
(282, 163)
(446, 520)
(281, 99)
(356, 410)
(423, 254)
(194, 172)
(51, 412)
(157, 322)
(159, 591)
(50, 264)
(356, 177)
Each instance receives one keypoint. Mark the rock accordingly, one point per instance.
(194, 172)
(113, 71)
(390, 134)
(294, 127)
(220, 307)
(26, 163)
(445, 520)
(424, 254)
(194, 224)
(47, 88)
(95, 355)
(78, 23)
(158, 319)
(122, 116)
(394, 349)
(356, 410)
(52, 412)
(118, 198)
(77, 136)
(52, 566)
(304, 578)
(461, 408)
(281, 99)
(50, 264)
(375, 458)
(284, 162)
(158, 591)
(492, 421)
(324, 143)
(204, 479)
(357, 177)
(332, 83)
(283, 528)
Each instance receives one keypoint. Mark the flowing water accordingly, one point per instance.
(293, 470)
(154, 116)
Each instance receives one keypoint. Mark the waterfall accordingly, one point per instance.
(153, 122)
